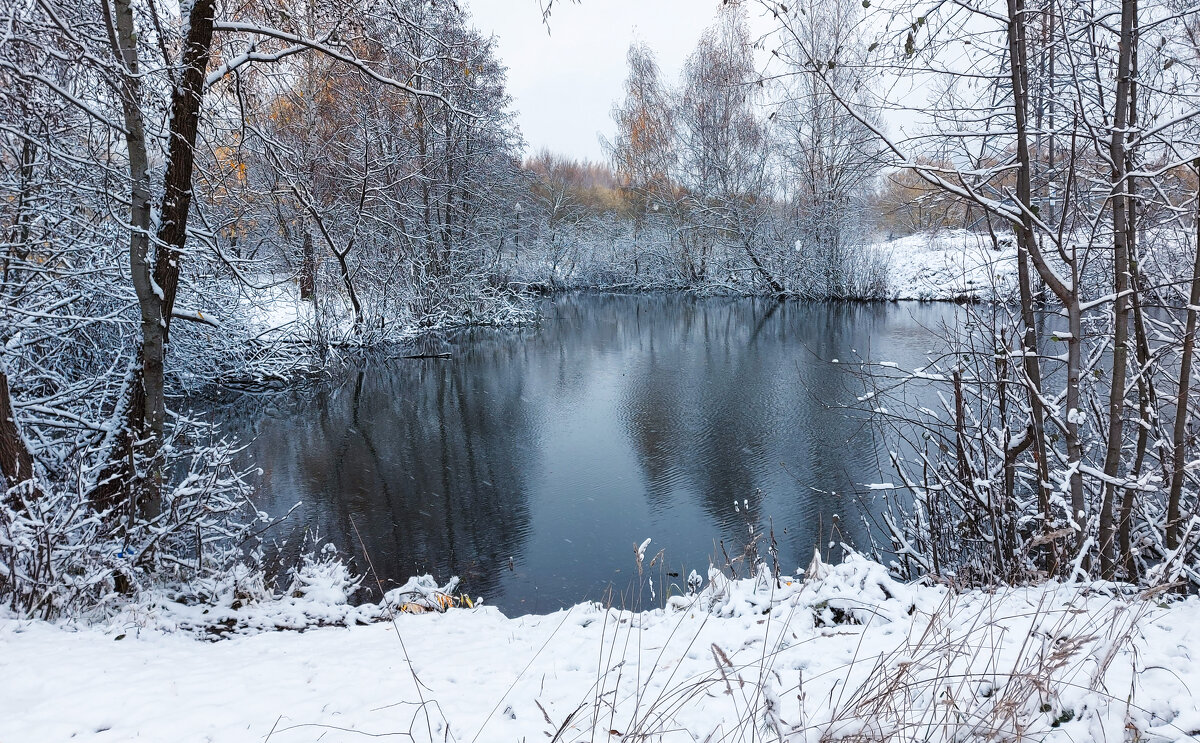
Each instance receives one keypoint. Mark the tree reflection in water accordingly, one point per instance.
(561, 446)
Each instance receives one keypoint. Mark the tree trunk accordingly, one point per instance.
(147, 419)
(1074, 404)
(308, 268)
(186, 97)
(1121, 250)
(348, 282)
(1026, 251)
(1147, 398)
(16, 463)
(776, 287)
(1179, 438)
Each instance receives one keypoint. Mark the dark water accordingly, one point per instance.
(532, 461)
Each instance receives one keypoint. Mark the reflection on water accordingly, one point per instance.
(531, 462)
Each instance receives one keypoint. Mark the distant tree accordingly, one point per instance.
(829, 161)
(643, 150)
(724, 148)
(906, 204)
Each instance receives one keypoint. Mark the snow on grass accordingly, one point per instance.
(846, 654)
(949, 266)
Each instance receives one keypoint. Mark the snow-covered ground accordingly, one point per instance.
(949, 266)
(275, 309)
(847, 653)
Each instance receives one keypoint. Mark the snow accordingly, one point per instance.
(276, 307)
(845, 651)
(950, 265)
(641, 552)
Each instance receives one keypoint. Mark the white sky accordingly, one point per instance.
(564, 83)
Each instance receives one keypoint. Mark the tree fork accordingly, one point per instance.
(144, 411)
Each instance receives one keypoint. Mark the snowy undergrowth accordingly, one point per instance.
(239, 602)
(277, 314)
(843, 653)
(944, 266)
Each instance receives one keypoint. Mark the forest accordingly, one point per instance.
(203, 199)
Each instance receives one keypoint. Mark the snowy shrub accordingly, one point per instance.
(325, 580)
(60, 556)
(984, 499)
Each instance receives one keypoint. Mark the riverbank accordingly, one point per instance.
(941, 266)
(944, 266)
(844, 652)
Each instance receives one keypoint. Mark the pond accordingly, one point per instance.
(532, 462)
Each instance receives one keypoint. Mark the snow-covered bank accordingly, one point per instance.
(845, 654)
(950, 266)
(274, 312)
(941, 266)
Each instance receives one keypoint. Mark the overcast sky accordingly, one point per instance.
(565, 82)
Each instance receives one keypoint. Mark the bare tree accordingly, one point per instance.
(828, 160)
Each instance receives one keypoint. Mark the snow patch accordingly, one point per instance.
(949, 266)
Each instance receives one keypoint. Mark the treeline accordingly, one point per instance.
(717, 183)
(730, 180)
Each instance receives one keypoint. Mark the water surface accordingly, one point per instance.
(531, 462)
